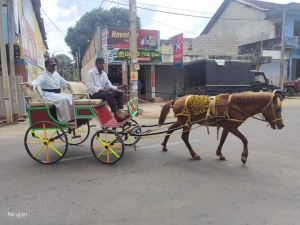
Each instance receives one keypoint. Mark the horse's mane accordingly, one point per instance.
(250, 97)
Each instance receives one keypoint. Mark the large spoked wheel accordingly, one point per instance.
(77, 136)
(130, 127)
(107, 146)
(43, 142)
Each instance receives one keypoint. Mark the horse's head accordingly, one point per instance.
(272, 113)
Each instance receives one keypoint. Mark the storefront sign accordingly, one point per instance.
(143, 55)
(40, 58)
(119, 38)
(134, 76)
(124, 72)
(28, 41)
(178, 51)
(152, 78)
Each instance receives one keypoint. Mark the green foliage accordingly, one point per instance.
(65, 66)
(82, 33)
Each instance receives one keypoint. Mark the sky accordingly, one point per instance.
(59, 15)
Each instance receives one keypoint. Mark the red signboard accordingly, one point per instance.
(152, 78)
(178, 51)
(119, 38)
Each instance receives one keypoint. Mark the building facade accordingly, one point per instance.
(258, 26)
(30, 49)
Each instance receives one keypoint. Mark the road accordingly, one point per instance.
(154, 187)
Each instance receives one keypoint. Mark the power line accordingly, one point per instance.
(181, 14)
(109, 4)
(166, 25)
(101, 3)
(52, 22)
(69, 8)
(55, 33)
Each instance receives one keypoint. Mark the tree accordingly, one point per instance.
(84, 29)
(65, 66)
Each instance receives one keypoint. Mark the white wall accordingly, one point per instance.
(248, 30)
(89, 65)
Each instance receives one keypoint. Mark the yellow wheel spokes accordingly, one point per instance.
(48, 143)
(38, 151)
(55, 150)
(108, 149)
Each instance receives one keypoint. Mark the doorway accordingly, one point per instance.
(298, 68)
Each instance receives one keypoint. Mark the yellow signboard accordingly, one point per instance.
(134, 76)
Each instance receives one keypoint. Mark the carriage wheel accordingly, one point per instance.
(43, 144)
(128, 139)
(77, 135)
(107, 146)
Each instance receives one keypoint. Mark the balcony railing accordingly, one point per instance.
(292, 42)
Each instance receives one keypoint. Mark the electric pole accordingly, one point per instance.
(79, 61)
(12, 72)
(282, 49)
(133, 51)
(4, 68)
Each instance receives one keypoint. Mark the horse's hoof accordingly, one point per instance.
(244, 160)
(222, 158)
(197, 157)
(164, 149)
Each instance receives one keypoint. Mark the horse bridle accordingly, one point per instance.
(275, 109)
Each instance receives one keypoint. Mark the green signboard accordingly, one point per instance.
(143, 55)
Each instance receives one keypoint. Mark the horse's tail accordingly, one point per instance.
(164, 112)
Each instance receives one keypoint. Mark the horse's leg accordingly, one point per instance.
(238, 134)
(164, 143)
(222, 140)
(185, 137)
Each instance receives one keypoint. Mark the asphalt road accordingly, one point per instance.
(154, 187)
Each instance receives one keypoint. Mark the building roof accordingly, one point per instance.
(259, 5)
(292, 10)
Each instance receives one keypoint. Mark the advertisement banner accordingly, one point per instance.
(28, 41)
(178, 51)
(28, 13)
(143, 55)
(119, 38)
(40, 58)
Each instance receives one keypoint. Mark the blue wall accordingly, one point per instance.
(289, 27)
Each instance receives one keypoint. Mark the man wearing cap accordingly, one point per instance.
(99, 87)
(51, 82)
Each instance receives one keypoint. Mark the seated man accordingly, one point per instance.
(51, 82)
(99, 87)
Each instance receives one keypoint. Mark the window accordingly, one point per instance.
(278, 30)
(297, 28)
(190, 45)
(260, 79)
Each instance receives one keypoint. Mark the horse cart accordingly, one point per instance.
(47, 139)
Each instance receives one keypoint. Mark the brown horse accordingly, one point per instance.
(226, 111)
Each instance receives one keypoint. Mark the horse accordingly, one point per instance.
(228, 111)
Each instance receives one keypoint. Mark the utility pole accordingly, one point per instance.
(12, 72)
(79, 72)
(133, 51)
(4, 67)
(262, 43)
(282, 49)
(77, 61)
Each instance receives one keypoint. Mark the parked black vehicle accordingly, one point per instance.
(213, 77)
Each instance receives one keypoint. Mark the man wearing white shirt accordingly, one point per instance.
(99, 87)
(51, 82)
